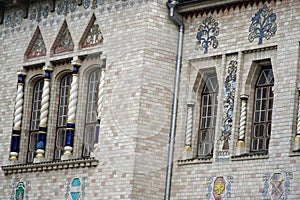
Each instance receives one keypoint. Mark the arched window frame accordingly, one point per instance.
(34, 119)
(205, 144)
(91, 132)
(64, 95)
(263, 93)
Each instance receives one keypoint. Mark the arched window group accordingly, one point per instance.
(260, 129)
(90, 104)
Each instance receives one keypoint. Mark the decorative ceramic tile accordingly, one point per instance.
(75, 188)
(38, 12)
(92, 36)
(15, 19)
(19, 191)
(36, 46)
(67, 6)
(263, 25)
(207, 33)
(219, 188)
(276, 186)
(229, 95)
(63, 42)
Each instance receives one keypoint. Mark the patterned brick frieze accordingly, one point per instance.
(14, 19)
(66, 6)
(39, 12)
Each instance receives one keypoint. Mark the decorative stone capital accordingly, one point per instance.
(103, 63)
(76, 61)
(21, 72)
(244, 97)
(48, 68)
(190, 103)
(298, 87)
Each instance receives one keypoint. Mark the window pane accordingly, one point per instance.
(262, 116)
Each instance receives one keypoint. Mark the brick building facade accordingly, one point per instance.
(92, 93)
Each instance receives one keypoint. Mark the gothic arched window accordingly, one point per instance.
(90, 132)
(64, 93)
(208, 116)
(35, 119)
(263, 105)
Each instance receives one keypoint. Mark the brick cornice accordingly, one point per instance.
(200, 7)
(51, 165)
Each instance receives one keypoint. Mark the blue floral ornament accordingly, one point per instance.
(207, 33)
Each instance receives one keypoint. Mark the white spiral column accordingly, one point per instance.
(42, 135)
(16, 132)
(189, 127)
(243, 120)
(72, 106)
(297, 136)
(101, 91)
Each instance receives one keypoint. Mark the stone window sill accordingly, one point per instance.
(205, 160)
(52, 165)
(250, 156)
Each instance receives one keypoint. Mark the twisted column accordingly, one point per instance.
(189, 127)
(42, 135)
(243, 117)
(72, 106)
(297, 136)
(101, 91)
(16, 132)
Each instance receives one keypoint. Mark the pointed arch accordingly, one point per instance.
(92, 35)
(36, 47)
(63, 41)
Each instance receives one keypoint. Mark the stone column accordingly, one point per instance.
(243, 119)
(188, 150)
(42, 135)
(16, 132)
(297, 136)
(189, 126)
(72, 106)
(101, 90)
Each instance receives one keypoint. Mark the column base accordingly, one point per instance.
(40, 153)
(240, 150)
(296, 145)
(64, 157)
(187, 153)
(39, 160)
(240, 143)
(68, 150)
(13, 156)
